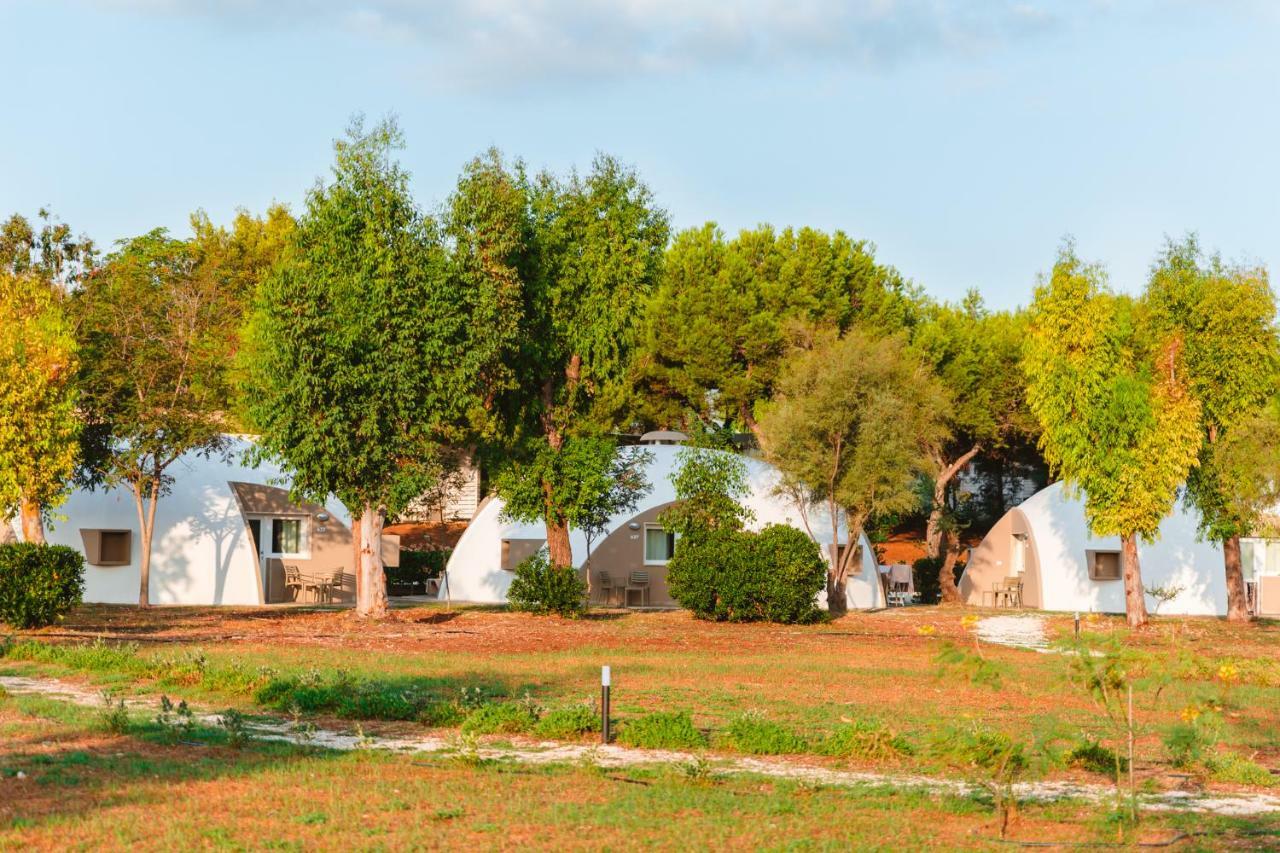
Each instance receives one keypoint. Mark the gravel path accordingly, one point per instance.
(1020, 632)
(612, 755)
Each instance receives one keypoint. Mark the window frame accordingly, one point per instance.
(304, 537)
(644, 544)
(1091, 561)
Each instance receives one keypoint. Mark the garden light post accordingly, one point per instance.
(605, 678)
(1077, 624)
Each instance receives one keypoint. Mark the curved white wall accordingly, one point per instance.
(201, 552)
(1061, 537)
(475, 568)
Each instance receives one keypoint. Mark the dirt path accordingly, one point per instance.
(533, 752)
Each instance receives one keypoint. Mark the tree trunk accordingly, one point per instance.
(1237, 598)
(6, 531)
(837, 603)
(947, 571)
(1135, 602)
(946, 473)
(558, 543)
(147, 522)
(32, 523)
(371, 580)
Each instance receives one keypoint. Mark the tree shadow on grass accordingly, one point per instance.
(75, 771)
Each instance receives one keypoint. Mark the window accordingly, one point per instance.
(113, 547)
(107, 547)
(1103, 565)
(659, 545)
(286, 536)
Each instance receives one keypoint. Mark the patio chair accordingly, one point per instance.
(1013, 591)
(333, 586)
(638, 582)
(292, 581)
(607, 589)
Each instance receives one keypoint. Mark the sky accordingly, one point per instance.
(965, 140)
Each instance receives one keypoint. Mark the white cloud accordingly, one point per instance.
(501, 43)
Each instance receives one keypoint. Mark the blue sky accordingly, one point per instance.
(965, 139)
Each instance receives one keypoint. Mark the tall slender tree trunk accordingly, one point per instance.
(6, 531)
(147, 497)
(32, 522)
(947, 471)
(1135, 601)
(1237, 597)
(371, 579)
(947, 571)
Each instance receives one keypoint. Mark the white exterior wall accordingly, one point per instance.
(201, 552)
(475, 568)
(1060, 537)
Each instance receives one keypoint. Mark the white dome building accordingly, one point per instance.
(1045, 542)
(482, 565)
(223, 535)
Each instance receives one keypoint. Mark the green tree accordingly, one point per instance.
(354, 352)
(154, 338)
(975, 354)
(1225, 318)
(709, 485)
(726, 312)
(560, 269)
(592, 481)
(850, 428)
(1118, 421)
(39, 426)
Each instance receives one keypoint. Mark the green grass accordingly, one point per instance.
(754, 735)
(662, 730)
(139, 790)
(809, 682)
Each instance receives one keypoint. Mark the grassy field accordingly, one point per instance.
(905, 691)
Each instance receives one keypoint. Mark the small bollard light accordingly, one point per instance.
(1077, 624)
(605, 678)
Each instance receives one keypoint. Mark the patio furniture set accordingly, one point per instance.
(637, 582)
(320, 589)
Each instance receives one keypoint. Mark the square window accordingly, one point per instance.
(1103, 565)
(659, 545)
(286, 536)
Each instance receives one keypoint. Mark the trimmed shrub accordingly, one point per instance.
(540, 587)
(739, 576)
(501, 717)
(564, 723)
(753, 734)
(39, 584)
(663, 730)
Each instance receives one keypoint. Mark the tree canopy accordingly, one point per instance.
(1111, 395)
(561, 268)
(850, 429)
(1225, 318)
(154, 381)
(726, 312)
(354, 351)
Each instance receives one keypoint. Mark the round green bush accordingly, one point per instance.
(540, 587)
(39, 584)
(740, 576)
